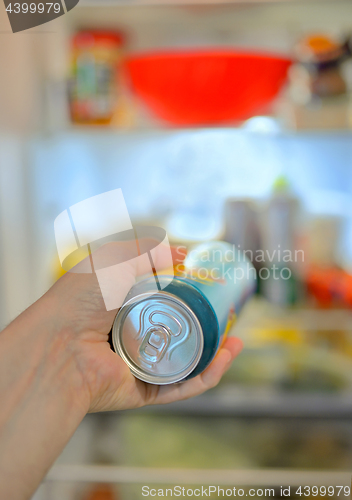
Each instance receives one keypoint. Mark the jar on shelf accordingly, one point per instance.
(95, 76)
(318, 94)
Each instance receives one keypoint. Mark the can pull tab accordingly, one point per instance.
(155, 344)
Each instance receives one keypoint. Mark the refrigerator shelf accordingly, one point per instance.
(258, 403)
(144, 475)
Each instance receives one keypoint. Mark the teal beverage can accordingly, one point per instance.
(174, 333)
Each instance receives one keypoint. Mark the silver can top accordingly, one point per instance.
(159, 337)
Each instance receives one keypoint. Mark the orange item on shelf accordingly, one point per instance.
(318, 47)
(330, 286)
(343, 289)
(101, 492)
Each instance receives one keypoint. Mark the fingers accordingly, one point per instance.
(206, 380)
(116, 281)
(234, 345)
(141, 254)
(135, 253)
(159, 257)
(117, 264)
(222, 362)
(178, 253)
(125, 391)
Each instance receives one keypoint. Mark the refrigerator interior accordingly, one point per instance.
(285, 406)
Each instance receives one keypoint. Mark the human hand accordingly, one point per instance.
(106, 382)
(56, 365)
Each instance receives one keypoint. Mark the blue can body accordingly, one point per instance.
(215, 282)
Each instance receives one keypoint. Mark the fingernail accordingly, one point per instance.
(228, 362)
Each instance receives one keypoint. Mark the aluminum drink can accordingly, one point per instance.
(174, 333)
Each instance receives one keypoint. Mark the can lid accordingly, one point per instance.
(159, 337)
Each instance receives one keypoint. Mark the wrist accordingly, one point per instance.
(38, 356)
(53, 345)
(43, 397)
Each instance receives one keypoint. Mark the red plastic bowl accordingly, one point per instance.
(189, 88)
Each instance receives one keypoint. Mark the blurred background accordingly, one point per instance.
(219, 120)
